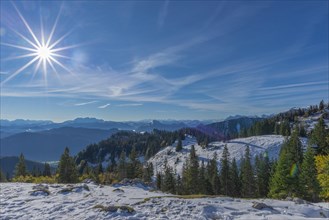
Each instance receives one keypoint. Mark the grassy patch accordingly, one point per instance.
(111, 208)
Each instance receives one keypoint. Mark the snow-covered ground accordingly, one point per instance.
(257, 144)
(17, 202)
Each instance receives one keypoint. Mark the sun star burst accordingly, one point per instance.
(44, 52)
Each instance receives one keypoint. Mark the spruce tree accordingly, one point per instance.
(168, 182)
(202, 179)
(2, 177)
(225, 172)
(318, 138)
(179, 145)
(214, 175)
(46, 170)
(308, 182)
(67, 170)
(179, 185)
(20, 167)
(247, 178)
(235, 189)
(284, 181)
(159, 181)
(193, 172)
(263, 172)
(122, 167)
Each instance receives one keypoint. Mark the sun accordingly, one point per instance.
(44, 51)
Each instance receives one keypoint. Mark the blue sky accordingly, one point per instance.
(134, 60)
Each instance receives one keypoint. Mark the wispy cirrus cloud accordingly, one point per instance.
(85, 103)
(104, 106)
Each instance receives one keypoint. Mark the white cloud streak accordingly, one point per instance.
(104, 106)
(85, 103)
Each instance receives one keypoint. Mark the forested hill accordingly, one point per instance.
(282, 123)
(146, 144)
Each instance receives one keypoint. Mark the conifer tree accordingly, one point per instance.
(179, 185)
(159, 181)
(225, 172)
(122, 167)
(284, 181)
(179, 145)
(213, 175)
(168, 182)
(192, 172)
(202, 179)
(2, 177)
(235, 189)
(308, 182)
(46, 170)
(20, 167)
(67, 170)
(263, 172)
(247, 176)
(99, 169)
(318, 138)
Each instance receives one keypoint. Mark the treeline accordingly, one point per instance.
(69, 172)
(146, 144)
(281, 124)
(295, 174)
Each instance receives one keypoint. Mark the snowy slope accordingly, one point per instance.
(17, 202)
(257, 144)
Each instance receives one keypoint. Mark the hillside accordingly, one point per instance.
(90, 201)
(49, 145)
(271, 144)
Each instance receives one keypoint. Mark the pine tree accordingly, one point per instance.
(202, 179)
(321, 105)
(192, 172)
(235, 189)
(213, 175)
(318, 138)
(159, 181)
(225, 172)
(46, 170)
(247, 176)
(67, 170)
(284, 181)
(179, 145)
(122, 168)
(20, 167)
(179, 185)
(308, 182)
(263, 172)
(99, 169)
(168, 182)
(2, 177)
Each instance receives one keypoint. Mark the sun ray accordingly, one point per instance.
(42, 33)
(60, 64)
(54, 27)
(60, 39)
(20, 57)
(19, 70)
(27, 25)
(65, 48)
(19, 47)
(25, 38)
